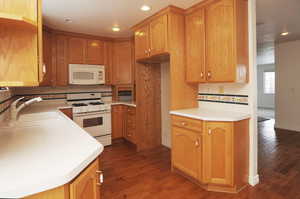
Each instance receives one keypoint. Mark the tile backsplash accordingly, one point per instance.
(6, 98)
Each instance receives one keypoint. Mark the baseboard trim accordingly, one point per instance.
(288, 130)
(253, 180)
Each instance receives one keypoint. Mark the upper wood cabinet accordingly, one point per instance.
(86, 51)
(224, 33)
(47, 58)
(95, 52)
(61, 73)
(152, 38)
(142, 42)
(108, 62)
(159, 35)
(123, 63)
(21, 43)
(77, 50)
(195, 45)
(218, 156)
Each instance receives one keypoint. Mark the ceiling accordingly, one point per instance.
(275, 17)
(97, 17)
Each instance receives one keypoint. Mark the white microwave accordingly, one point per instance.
(82, 74)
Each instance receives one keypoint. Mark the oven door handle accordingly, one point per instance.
(89, 114)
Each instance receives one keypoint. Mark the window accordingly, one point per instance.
(269, 82)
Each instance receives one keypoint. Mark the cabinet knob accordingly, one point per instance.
(197, 143)
(208, 74)
(209, 131)
(201, 75)
(146, 51)
(183, 123)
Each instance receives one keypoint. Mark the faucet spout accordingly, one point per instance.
(15, 110)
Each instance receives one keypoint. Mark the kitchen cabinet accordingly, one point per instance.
(215, 154)
(108, 62)
(195, 46)
(219, 33)
(142, 42)
(61, 74)
(151, 39)
(86, 185)
(21, 43)
(95, 52)
(123, 63)
(118, 121)
(47, 58)
(130, 124)
(186, 141)
(218, 155)
(77, 50)
(158, 35)
(86, 51)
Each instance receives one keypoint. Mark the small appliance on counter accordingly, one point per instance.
(90, 113)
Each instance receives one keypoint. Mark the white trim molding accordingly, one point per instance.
(253, 180)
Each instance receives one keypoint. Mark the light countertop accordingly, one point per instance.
(211, 115)
(44, 150)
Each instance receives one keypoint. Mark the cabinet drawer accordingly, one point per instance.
(187, 123)
(131, 111)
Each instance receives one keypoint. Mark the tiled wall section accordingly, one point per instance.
(5, 101)
(223, 98)
(230, 94)
(48, 93)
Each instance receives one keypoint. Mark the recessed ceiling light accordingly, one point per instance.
(116, 29)
(68, 20)
(145, 8)
(284, 33)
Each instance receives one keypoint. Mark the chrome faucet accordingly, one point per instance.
(15, 110)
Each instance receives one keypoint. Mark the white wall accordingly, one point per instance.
(165, 104)
(264, 100)
(287, 98)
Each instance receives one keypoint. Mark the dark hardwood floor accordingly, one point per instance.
(147, 175)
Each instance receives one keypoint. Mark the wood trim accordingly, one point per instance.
(199, 6)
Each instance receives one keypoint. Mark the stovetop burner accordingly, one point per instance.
(96, 103)
(79, 104)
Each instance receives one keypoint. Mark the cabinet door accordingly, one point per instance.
(131, 124)
(77, 50)
(47, 58)
(86, 185)
(95, 52)
(220, 42)
(122, 63)
(108, 62)
(142, 43)
(186, 151)
(195, 46)
(117, 121)
(159, 35)
(218, 153)
(61, 73)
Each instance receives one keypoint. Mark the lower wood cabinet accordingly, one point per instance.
(124, 122)
(186, 151)
(68, 112)
(215, 154)
(118, 121)
(86, 185)
(130, 124)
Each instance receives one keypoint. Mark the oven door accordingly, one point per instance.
(93, 123)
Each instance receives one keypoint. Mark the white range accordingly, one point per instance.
(90, 113)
